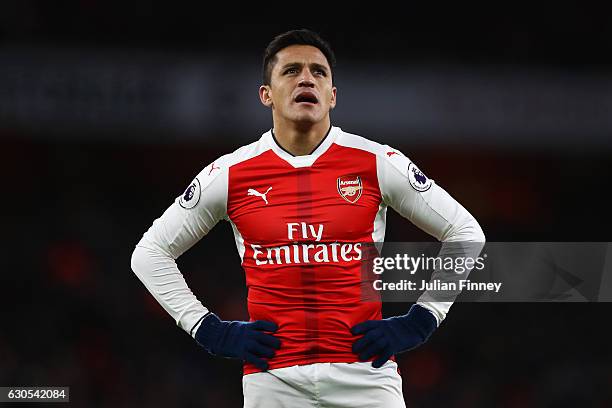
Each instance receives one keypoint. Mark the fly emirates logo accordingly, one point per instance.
(304, 253)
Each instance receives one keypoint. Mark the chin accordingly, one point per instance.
(306, 122)
(307, 118)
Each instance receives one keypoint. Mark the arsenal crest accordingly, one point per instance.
(349, 188)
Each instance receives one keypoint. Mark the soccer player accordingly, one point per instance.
(303, 201)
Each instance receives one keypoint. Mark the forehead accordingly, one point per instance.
(304, 54)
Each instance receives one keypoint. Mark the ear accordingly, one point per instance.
(332, 101)
(265, 95)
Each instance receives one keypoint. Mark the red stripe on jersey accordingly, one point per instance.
(305, 232)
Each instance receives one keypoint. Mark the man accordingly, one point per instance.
(303, 201)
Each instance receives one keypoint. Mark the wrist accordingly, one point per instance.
(422, 321)
(209, 331)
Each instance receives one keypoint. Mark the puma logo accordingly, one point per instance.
(212, 167)
(253, 192)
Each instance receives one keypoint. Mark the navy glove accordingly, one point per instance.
(386, 337)
(243, 340)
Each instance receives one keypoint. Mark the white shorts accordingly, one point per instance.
(325, 385)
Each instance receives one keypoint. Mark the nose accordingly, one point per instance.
(307, 80)
(307, 83)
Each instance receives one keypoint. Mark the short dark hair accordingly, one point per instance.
(294, 37)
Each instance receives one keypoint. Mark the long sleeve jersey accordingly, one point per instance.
(301, 226)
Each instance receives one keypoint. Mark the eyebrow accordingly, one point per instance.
(299, 64)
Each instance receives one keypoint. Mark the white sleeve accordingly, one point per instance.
(185, 222)
(419, 199)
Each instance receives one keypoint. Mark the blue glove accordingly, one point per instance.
(243, 340)
(386, 337)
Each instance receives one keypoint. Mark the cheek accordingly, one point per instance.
(329, 97)
(284, 97)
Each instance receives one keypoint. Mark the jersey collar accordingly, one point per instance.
(305, 160)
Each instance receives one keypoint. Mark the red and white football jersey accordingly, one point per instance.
(301, 225)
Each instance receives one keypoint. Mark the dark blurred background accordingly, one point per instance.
(108, 110)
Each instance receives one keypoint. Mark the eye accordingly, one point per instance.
(320, 72)
(291, 71)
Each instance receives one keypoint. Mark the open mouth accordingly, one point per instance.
(306, 97)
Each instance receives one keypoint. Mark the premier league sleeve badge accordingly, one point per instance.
(191, 196)
(417, 179)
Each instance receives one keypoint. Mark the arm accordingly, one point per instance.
(429, 207)
(185, 222)
(433, 210)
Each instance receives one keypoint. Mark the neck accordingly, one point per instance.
(298, 139)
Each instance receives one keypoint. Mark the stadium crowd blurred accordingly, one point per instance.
(78, 198)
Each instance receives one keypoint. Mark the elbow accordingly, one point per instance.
(143, 257)
(135, 261)
(478, 234)
(469, 230)
(140, 259)
(473, 232)
(475, 237)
